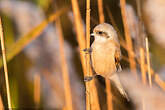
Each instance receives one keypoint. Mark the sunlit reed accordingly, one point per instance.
(148, 63)
(128, 37)
(5, 66)
(64, 67)
(37, 90)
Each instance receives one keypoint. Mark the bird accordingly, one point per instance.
(105, 55)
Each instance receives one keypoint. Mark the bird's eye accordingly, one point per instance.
(100, 32)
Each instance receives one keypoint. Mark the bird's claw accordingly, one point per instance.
(87, 50)
(88, 78)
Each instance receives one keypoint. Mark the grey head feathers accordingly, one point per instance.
(105, 30)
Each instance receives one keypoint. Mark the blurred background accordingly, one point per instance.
(34, 69)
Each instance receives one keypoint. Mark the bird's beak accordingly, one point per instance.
(92, 34)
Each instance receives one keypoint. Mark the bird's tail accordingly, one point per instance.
(116, 80)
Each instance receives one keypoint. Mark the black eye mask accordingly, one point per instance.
(102, 33)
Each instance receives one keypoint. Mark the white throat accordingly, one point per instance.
(100, 39)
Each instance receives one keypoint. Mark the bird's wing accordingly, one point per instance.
(94, 72)
(117, 60)
(116, 80)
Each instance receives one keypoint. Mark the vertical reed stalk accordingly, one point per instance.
(88, 84)
(37, 89)
(122, 42)
(93, 96)
(109, 95)
(88, 36)
(128, 37)
(81, 42)
(148, 63)
(143, 72)
(5, 66)
(79, 32)
(142, 66)
(100, 9)
(1, 104)
(65, 74)
(107, 82)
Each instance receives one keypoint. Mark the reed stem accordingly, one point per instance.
(65, 74)
(128, 38)
(5, 66)
(148, 63)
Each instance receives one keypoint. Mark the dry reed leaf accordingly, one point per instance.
(33, 34)
(159, 81)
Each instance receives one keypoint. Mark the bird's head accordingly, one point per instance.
(104, 32)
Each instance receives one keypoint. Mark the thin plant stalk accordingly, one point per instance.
(100, 9)
(79, 32)
(109, 95)
(1, 104)
(88, 84)
(94, 100)
(122, 42)
(37, 90)
(143, 72)
(128, 37)
(107, 81)
(94, 96)
(81, 42)
(148, 63)
(142, 66)
(65, 74)
(5, 66)
(159, 81)
(52, 83)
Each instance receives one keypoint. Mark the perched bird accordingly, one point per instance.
(105, 54)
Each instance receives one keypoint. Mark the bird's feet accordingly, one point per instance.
(89, 78)
(87, 50)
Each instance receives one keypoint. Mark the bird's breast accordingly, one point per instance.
(103, 61)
